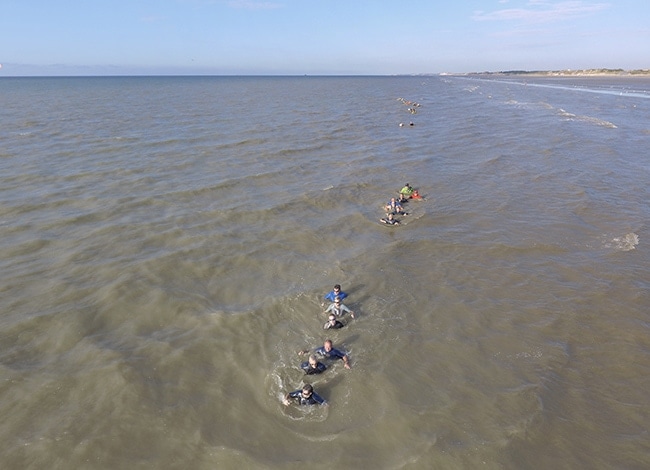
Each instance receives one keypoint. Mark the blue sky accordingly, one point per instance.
(330, 37)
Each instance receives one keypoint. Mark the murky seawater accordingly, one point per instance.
(165, 244)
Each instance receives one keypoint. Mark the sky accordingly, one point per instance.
(319, 37)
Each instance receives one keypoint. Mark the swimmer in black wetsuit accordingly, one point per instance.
(304, 396)
(389, 220)
(332, 322)
(313, 366)
(327, 351)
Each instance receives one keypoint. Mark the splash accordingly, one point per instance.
(625, 243)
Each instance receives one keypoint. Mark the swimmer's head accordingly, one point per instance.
(307, 390)
(332, 317)
(312, 360)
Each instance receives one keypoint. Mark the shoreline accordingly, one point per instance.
(562, 73)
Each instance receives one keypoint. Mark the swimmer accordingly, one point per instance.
(389, 220)
(416, 195)
(327, 351)
(394, 207)
(336, 292)
(338, 308)
(333, 323)
(304, 396)
(313, 366)
(405, 192)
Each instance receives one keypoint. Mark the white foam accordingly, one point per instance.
(591, 120)
(627, 242)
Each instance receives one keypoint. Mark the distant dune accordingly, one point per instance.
(567, 73)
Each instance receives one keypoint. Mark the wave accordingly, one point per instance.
(588, 119)
(612, 89)
(562, 113)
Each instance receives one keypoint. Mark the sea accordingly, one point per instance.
(166, 243)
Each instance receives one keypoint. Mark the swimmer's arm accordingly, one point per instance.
(287, 399)
(346, 309)
(318, 399)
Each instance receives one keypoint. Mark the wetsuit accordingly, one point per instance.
(336, 325)
(331, 296)
(332, 354)
(314, 398)
(394, 208)
(338, 311)
(320, 368)
(406, 191)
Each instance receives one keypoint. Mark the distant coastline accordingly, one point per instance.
(563, 73)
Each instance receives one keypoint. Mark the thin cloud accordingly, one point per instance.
(541, 11)
(529, 32)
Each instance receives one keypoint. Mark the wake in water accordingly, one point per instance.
(591, 120)
(627, 242)
(616, 90)
(567, 116)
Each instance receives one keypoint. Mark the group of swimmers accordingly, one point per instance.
(336, 310)
(394, 206)
(412, 108)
